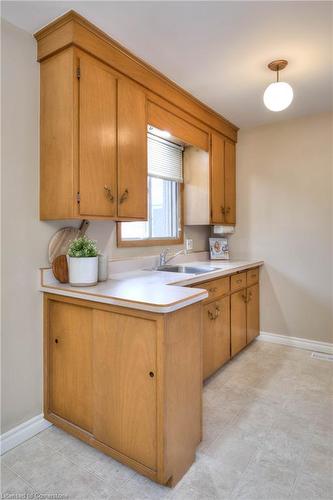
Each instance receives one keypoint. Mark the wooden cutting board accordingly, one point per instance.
(60, 241)
(60, 268)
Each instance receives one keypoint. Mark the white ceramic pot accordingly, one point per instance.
(83, 271)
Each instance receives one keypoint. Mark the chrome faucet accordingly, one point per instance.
(163, 256)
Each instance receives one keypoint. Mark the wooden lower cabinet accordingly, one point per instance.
(70, 363)
(238, 321)
(216, 336)
(125, 398)
(252, 313)
(125, 381)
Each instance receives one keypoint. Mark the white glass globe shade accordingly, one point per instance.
(278, 96)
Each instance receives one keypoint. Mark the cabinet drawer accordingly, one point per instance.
(215, 288)
(252, 276)
(238, 281)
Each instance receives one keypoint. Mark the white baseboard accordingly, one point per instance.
(22, 432)
(310, 345)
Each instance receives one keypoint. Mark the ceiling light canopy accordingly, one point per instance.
(279, 95)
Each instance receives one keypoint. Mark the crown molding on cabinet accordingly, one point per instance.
(71, 29)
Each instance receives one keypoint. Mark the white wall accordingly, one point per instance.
(284, 214)
(24, 237)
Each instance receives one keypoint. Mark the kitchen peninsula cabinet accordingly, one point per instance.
(230, 317)
(96, 100)
(127, 382)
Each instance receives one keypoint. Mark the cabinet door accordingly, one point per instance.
(217, 179)
(252, 312)
(216, 335)
(57, 187)
(238, 321)
(97, 139)
(125, 385)
(132, 151)
(70, 363)
(230, 182)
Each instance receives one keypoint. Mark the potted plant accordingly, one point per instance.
(83, 262)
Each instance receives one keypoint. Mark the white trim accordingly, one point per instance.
(22, 432)
(310, 345)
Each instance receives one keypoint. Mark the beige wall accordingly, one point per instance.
(284, 213)
(24, 237)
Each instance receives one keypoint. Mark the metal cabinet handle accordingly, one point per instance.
(239, 281)
(124, 196)
(108, 191)
(213, 289)
(56, 341)
(244, 298)
(222, 210)
(151, 374)
(213, 316)
(227, 210)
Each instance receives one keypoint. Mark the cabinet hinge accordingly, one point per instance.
(78, 73)
(78, 198)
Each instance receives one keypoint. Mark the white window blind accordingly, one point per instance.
(165, 159)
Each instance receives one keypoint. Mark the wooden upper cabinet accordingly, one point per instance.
(132, 151)
(96, 100)
(217, 179)
(93, 141)
(97, 139)
(57, 176)
(230, 182)
(223, 180)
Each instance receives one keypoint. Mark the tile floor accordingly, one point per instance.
(267, 435)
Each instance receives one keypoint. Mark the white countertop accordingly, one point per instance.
(147, 289)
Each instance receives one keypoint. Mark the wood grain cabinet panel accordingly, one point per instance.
(238, 281)
(97, 139)
(132, 151)
(238, 321)
(252, 313)
(215, 288)
(252, 276)
(216, 336)
(125, 406)
(70, 363)
(57, 169)
(217, 179)
(230, 182)
(223, 180)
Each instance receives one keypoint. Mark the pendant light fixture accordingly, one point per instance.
(278, 95)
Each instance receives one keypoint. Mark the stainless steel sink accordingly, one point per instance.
(187, 269)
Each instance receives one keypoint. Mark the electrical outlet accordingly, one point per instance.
(188, 244)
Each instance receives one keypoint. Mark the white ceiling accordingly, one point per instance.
(218, 51)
